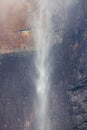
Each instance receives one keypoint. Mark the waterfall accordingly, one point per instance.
(43, 37)
(42, 41)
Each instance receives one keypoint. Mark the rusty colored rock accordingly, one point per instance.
(15, 26)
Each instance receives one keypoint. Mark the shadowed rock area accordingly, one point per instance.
(17, 95)
(16, 91)
(76, 63)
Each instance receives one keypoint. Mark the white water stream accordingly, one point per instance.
(42, 35)
(42, 32)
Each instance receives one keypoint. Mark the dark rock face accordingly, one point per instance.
(76, 60)
(16, 91)
(18, 95)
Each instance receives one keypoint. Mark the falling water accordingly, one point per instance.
(42, 36)
(42, 31)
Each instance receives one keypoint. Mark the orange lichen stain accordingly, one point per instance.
(5, 49)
